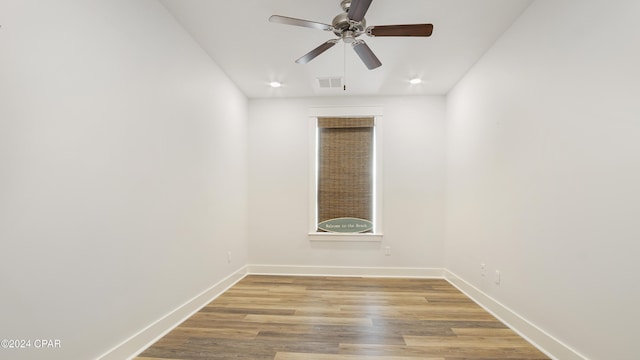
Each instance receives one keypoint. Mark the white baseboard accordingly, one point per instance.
(137, 343)
(345, 271)
(551, 346)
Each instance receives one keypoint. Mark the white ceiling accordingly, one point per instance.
(253, 52)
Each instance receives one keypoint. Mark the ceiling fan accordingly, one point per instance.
(348, 26)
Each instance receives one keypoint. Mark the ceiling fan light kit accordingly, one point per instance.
(348, 26)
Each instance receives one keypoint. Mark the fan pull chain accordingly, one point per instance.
(344, 68)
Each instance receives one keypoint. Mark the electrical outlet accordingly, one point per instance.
(496, 277)
(483, 270)
(387, 250)
(229, 257)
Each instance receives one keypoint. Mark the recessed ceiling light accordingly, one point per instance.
(275, 84)
(415, 81)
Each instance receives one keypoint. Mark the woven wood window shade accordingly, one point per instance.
(345, 168)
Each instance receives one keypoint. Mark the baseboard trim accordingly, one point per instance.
(345, 271)
(140, 341)
(137, 343)
(551, 346)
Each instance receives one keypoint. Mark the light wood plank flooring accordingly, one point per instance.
(341, 318)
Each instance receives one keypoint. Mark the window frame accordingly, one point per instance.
(345, 111)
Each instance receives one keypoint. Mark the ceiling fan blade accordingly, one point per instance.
(358, 9)
(299, 22)
(317, 51)
(401, 30)
(366, 55)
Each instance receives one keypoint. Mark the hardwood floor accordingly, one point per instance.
(340, 318)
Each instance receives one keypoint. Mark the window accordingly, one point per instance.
(345, 178)
(345, 175)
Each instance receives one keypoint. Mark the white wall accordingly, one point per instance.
(413, 163)
(122, 172)
(543, 171)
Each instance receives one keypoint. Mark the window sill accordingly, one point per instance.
(319, 236)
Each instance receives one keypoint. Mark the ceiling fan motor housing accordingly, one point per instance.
(341, 23)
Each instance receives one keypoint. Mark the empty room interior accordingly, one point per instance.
(164, 158)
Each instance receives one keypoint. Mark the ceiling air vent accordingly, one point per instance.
(330, 82)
